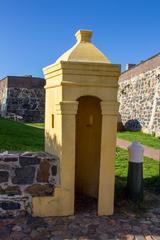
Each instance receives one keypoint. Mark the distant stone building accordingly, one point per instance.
(23, 98)
(139, 94)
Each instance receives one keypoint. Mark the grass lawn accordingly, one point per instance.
(21, 137)
(150, 171)
(151, 185)
(37, 125)
(145, 139)
(30, 137)
(151, 167)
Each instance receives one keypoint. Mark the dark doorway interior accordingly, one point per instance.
(88, 143)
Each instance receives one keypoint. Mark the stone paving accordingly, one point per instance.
(85, 225)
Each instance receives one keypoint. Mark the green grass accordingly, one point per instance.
(20, 137)
(30, 137)
(151, 167)
(145, 139)
(37, 125)
(150, 171)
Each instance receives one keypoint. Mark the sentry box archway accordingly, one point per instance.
(80, 127)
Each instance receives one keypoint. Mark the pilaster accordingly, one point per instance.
(107, 161)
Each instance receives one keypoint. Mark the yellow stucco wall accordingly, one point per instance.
(66, 81)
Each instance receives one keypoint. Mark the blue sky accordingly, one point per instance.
(34, 33)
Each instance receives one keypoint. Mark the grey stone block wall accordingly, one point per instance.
(28, 103)
(139, 95)
(22, 97)
(3, 97)
(24, 175)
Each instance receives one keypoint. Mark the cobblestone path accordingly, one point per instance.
(84, 225)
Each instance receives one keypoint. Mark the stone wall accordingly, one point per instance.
(139, 95)
(3, 96)
(27, 103)
(22, 98)
(23, 175)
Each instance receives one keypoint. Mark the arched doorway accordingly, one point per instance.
(88, 143)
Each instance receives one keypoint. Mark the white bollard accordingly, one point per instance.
(135, 171)
(136, 151)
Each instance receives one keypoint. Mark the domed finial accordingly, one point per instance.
(84, 35)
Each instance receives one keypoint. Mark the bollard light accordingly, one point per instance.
(135, 171)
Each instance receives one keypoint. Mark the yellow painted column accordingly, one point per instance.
(62, 203)
(107, 160)
(67, 110)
